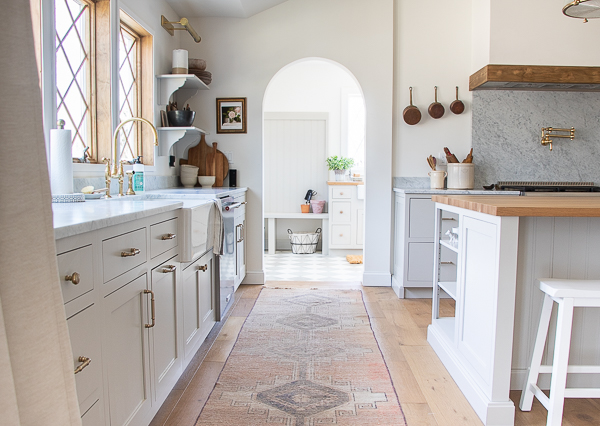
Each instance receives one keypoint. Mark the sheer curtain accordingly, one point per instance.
(36, 365)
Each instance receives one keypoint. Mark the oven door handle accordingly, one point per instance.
(232, 206)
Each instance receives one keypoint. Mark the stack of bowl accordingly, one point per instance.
(189, 175)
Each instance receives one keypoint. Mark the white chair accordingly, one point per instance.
(567, 294)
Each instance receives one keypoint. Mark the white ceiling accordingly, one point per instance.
(224, 8)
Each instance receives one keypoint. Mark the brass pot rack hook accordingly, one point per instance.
(168, 26)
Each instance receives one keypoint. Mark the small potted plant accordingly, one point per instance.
(339, 165)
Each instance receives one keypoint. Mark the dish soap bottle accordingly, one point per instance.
(139, 183)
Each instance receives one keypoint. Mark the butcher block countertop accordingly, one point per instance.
(537, 206)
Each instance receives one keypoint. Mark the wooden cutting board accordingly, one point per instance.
(217, 165)
(197, 156)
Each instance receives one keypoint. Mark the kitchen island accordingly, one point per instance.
(503, 245)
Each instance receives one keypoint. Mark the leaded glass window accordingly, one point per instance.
(73, 71)
(129, 82)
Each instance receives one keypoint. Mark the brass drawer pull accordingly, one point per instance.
(85, 362)
(168, 237)
(203, 268)
(152, 307)
(447, 263)
(131, 252)
(75, 278)
(169, 268)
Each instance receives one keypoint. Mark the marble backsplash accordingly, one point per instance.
(152, 182)
(507, 133)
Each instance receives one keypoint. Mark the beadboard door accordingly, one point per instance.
(295, 150)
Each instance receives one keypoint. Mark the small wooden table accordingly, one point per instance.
(272, 227)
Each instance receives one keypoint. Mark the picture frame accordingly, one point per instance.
(231, 115)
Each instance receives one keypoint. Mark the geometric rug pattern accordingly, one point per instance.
(286, 266)
(304, 357)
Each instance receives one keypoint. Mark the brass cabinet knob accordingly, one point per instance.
(341, 235)
(341, 212)
(75, 278)
(168, 237)
(341, 193)
(169, 268)
(203, 268)
(85, 361)
(131, 252)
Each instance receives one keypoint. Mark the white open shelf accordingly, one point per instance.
(446, 325)
(168, 136)
(449, 245)
(186, 84)
(449, 287)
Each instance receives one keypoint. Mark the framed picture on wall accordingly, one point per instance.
(231, 115)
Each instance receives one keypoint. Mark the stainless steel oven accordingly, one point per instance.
(227, 262)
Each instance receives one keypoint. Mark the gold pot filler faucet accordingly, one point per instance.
(117, 171)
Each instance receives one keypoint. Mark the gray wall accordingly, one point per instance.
(507, 133)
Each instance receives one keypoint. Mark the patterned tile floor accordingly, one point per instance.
(286, 266)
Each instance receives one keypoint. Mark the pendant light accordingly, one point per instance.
(583, 9)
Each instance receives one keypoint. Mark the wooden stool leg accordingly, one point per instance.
(538, 352)
(564, 323)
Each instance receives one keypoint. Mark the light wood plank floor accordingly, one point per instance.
(427, 393)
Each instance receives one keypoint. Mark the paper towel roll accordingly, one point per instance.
(180, 61)
(61, 162)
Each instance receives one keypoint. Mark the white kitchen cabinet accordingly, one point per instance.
(199, 301)
(346, 217)
(414, 245)
(240, 240)
(127, 354)
(166, 365)
(137, 348)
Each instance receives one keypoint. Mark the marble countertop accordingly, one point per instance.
(77, 218)
(195, 193)
(453, 191)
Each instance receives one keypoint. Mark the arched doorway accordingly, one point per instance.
(313, 108)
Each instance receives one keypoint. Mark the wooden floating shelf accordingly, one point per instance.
(536, 77)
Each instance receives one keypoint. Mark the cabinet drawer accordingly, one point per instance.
(76, 272)
(420, 262)
(340, 235)
(340, 211)
(123, 253)
(343, 192)
(163, 237)
(85, 342)
(422, 214)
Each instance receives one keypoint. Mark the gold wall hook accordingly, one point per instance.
(548, 132)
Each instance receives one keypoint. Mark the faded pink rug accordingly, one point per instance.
(305, 357)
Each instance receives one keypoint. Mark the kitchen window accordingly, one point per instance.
(76, 77)
(74, 62)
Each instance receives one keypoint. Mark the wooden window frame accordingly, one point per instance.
(145, 88)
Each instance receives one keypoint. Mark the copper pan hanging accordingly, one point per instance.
(436, 109)
(411, 113)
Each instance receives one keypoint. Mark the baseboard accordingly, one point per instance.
(491, 413)
(254, 278)
(377, 279)
(419, 293)
(397, 287)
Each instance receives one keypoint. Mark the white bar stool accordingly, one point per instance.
(567, 294)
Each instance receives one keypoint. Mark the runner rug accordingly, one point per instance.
(304, 358)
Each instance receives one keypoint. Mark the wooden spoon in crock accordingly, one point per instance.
(457, 107)
(436, 109)
(411, 113)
